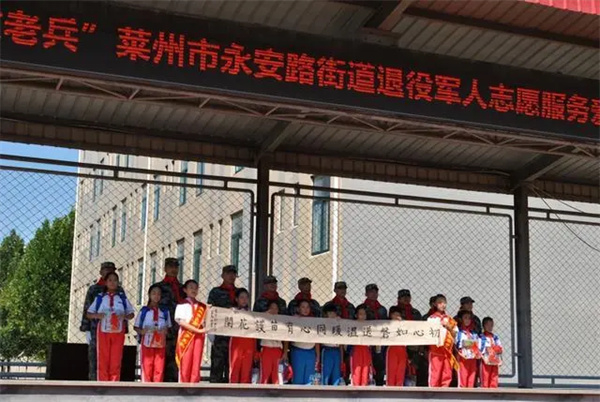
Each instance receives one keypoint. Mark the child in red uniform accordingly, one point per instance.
(271, 353)
(241, 350)
(441, 359)
(397, 358)
(361, 364)
(112, 309)
(152, 325)
(467, 343)
(190, 316)
(491, 350)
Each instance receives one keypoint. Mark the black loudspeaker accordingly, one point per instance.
(69, 361)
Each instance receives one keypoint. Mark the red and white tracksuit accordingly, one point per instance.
(489, 373)
(110, 335)
(397, 362)
(361, 364)
(153, 343)
(190, 364)
(467, 357)
(241, 357)
(440, 365)
(270, 356)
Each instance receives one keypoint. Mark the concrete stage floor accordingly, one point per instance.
(71, 391)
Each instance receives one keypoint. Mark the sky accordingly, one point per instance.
(27, 199)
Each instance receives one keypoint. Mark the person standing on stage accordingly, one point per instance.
(171, 295)
(222, 296)
(268, 295)
(379, 313)
(304, 285)
(152, 325)
(345, 309)
(112, 310)
(466, 304)
(89, 326)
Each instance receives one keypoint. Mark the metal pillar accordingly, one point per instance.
(523, 287)
(262, 225)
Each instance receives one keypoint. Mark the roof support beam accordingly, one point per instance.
(381, 6)
(534, 169)
(497, 26)
(388, 15)
(276, 136)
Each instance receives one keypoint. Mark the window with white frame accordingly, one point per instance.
(197, 255)
(183, 181)
(320, 216)
(236, 237)
(180, 257)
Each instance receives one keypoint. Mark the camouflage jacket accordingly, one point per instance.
(219, 297)
(416, 314)
(262, 304)
(92, 293)
(350, 309)
(315, 307)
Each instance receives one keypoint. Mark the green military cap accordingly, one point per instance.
(229, 268)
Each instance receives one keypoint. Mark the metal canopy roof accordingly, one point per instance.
(113, 115)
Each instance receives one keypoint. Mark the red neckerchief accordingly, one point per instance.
(111, 300)
(101, 282)
(231, 290)
(343, 303)
(490, 335)
(440, 315)
(154, 315)
(408, 315)
(114, 320)
(374, 305)
(270, 295)
(301, 296)
(175, 287)
(468, 328)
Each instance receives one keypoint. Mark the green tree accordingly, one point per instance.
(11, 251)
(36, 299)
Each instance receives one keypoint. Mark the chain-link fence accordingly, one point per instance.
(565, 258)
(424, 249)
(57, 227)
(136, 221)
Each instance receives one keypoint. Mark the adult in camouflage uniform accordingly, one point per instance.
(89, 326)
(172, 294)
(222, 296)
(268, 295)
(305, 286)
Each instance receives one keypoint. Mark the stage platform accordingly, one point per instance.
(72, 391)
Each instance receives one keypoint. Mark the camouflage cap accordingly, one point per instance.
(269, 279)
(403, 293)
(108, 264)
(371, 286)
(229, 268)
(303, 281)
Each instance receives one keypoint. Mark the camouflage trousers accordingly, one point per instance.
(92, 356)
(171, 373)
(219, 360)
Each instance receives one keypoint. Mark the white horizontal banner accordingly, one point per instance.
(246, 324)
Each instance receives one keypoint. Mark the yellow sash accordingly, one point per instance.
(187, 336)
(449, 344)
